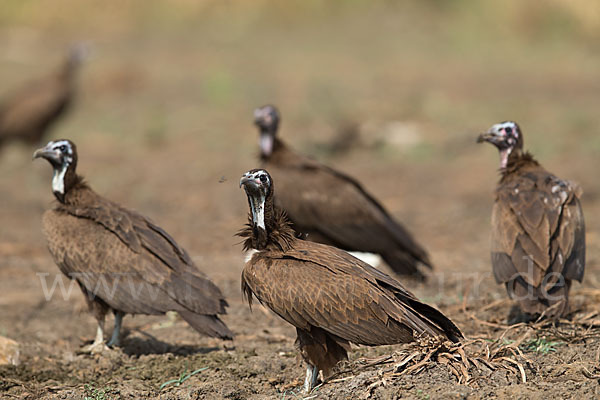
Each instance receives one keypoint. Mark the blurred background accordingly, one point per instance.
(393, 93)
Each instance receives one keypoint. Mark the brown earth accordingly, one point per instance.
(163, 125)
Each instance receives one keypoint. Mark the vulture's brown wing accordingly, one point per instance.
(575, 264)
(105, 266)
(130, 251)
(537, 230)
(336, 206)
(325, 287)
(135, 230)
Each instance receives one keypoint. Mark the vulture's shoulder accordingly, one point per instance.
(322, 187)
(79, 245)
(322, 286)
(330, 174)
(533, 196)
(289, 159)
(536, 217)
(94, 246)
(134, 230)
(330, 263)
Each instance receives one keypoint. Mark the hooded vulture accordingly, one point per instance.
(122, 261)
(29, 112)
(331, 207)
(538, 233)
(332, 298)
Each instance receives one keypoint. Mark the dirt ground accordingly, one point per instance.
(163, 126)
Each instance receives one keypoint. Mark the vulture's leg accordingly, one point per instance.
(99, 309)
(312, 374)
(115, 339)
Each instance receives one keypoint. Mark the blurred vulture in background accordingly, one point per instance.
(538, 233)
(30, 112)
(333, 208)
(122, 260)
(332, 298)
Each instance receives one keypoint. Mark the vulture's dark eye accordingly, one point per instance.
(63, 148)
(263, 178)
(508, 130)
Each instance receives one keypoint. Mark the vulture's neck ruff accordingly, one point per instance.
(268, 225)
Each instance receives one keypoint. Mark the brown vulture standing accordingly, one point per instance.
(121, 260)
(31, 111)
(331, 207)
(538, 233)
(331, 297)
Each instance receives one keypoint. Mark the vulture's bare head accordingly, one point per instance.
(507, 138)
(266, 118)
(258, 186)
(62, 155)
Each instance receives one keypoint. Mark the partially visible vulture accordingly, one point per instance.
(538, 233)
(122, 261)
(332, 298)
(29, 112)
(331, 207)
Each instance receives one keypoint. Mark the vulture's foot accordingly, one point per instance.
(114, 342)
(312, 375)
(98, 346)
(516, 316)
(94, 348)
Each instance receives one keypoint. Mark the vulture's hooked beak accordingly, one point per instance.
(53, 156)
(245, 179)
(490, 136)
(252, 185)
(249, 182)
(262, 118)
(258, 114)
